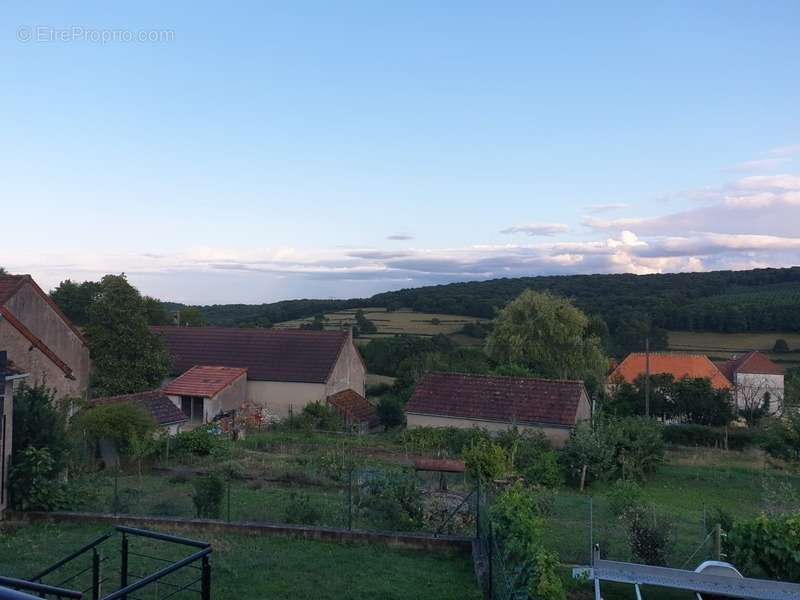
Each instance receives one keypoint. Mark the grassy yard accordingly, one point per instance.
(391, 323)
(722, 346)
(262, 567)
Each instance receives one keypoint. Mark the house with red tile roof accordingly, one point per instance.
(286, 369)
(40, 339)
(494, 403)
(9, 373)
(693, 366)
(757, 381)
(358, 413)
(203, 392)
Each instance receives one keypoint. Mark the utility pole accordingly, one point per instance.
(647, 377)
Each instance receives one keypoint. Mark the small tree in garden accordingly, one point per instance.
(486, 460)
(207, 497)
(33, 483)
(390, 412)
(141, 447)
(650, 540)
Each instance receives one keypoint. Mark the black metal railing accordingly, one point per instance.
(14, 589)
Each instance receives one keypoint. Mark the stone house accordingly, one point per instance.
(551, 406)
(40, 340)
(286, 369)
(756, 381)
(202, 392)
(8, 375)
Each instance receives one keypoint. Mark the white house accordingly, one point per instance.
(756, 380)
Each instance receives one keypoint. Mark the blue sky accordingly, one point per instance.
(337, 149)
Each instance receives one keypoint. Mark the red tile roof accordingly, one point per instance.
(10, 285)
(267, 354)
(753, 363)
(155, 402)
(354, 408)
(694, 366)
(35, 341)
(503, 399)
(204, 381)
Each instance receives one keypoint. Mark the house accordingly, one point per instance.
(757, 381)
(286, 369)
(358, 413)
(40, 340)
(202, 392)
(155, 402)
(693, 366)
(8, 375)
(552, 406)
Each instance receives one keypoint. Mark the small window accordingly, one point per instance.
(192, 407)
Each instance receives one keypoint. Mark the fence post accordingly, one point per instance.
(718, 541)
(123, 568)
(115, 501)
(205, 586)
(591, 529)
(350, 500)
(95, 574)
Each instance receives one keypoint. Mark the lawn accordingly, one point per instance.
(262, 567)
(722, 346)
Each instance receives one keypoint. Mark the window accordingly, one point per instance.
(192, 407)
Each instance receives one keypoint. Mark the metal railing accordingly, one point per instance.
(13, 589)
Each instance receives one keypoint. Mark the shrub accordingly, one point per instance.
(650, 541)
(530, 453)
(32, 481)
(38, 424)
(200, 441)
(769, 545)
(390, 412)
(590, 449)
(116, 422)
(486, 460)
(315, 416)
(446, 440)
(624, 497)
(395, 501)
(301, 511)
(207, 496)
(638, 445)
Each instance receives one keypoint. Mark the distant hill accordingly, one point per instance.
(722, 301)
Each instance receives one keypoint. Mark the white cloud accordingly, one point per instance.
(601, 208)
(786, 150)
(400, 236)
(537, 229)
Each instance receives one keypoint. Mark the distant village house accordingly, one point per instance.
(553, 407)
(757, 382)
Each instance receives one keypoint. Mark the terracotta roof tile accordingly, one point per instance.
(694, 366)
(503, 399)
(204, 381)
(354, 408)
(155, 402)
(754, 363)
(267, 354)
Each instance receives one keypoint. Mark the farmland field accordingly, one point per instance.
(391, 323)
(722, 346)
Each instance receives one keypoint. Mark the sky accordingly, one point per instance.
(252, 152)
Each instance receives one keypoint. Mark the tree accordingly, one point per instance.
(127, 357)
(364, 325)
(781, 346)
(39, 424)
(191, 316)
(390, 412)
(3, 272)
(74, 299)
(156, 313)
(548, 335)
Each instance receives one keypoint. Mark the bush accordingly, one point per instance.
(588, 449)
(38, 424)
(767, 545)
(531, 455)
(711, 437)
(394, 501)
(443, 440)
(650, 541)
(316, 416)
(200, 441)
(207, 498)
(486, 460)
(624, 497)
(116, 422)
(301, 511)
(390, 412)
(32, 481)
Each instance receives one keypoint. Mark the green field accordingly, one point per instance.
(722, 346)
(396, 322)
(259, 567)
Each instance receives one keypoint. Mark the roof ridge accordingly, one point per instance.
(491, 376)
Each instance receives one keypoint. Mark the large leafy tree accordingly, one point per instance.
(74, 299)
(127, 356)
(549, 336)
